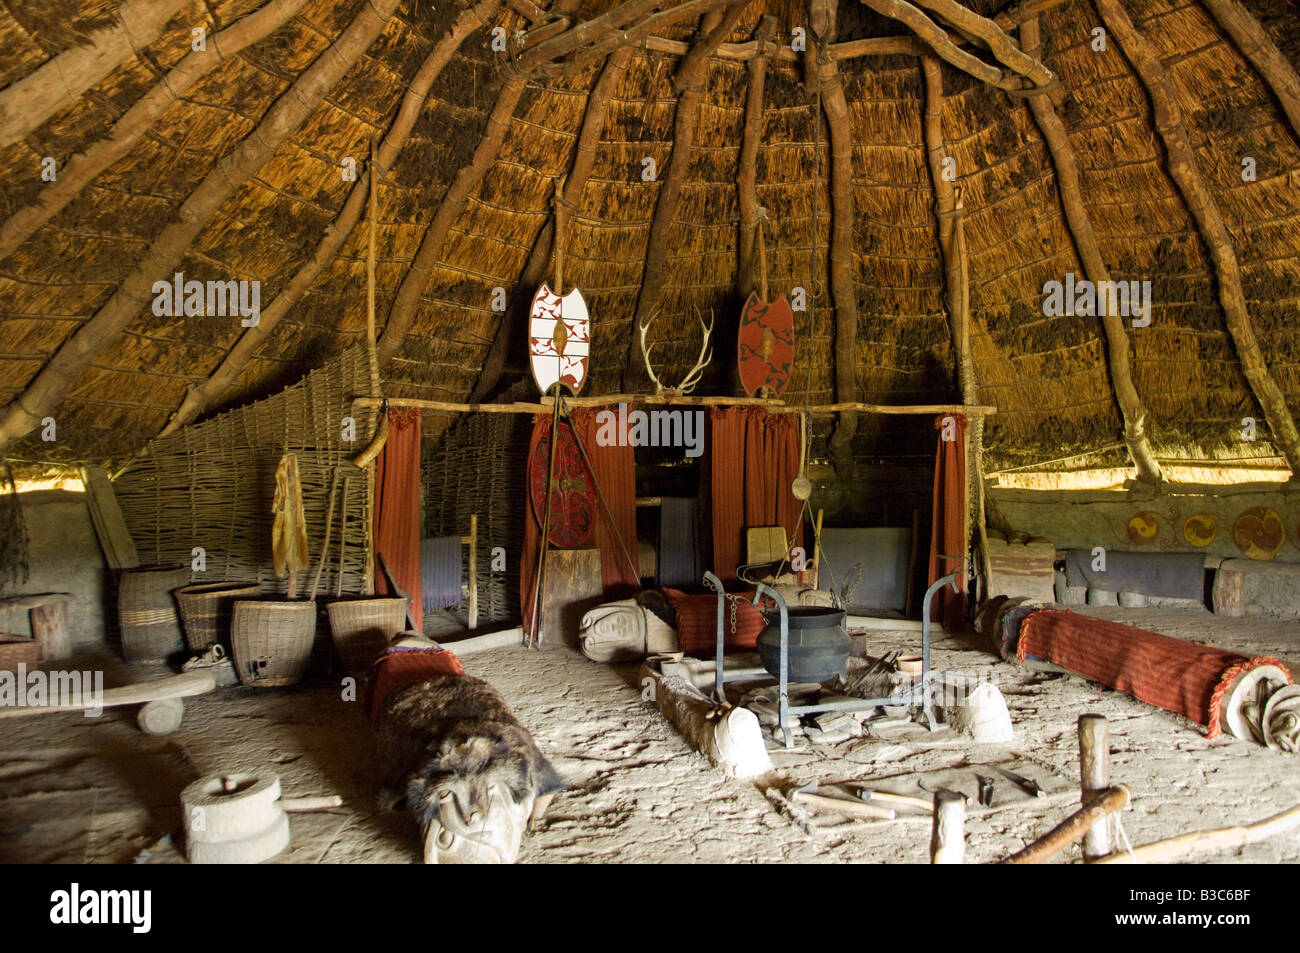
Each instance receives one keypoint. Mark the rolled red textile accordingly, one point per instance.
(1187, 678)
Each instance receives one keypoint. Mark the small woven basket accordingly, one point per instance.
(206, 610)
(16, 650)
(363, 628)
(146, 612)
(271, 641)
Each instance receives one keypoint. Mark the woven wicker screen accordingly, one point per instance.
(211, 484)
(477, 466)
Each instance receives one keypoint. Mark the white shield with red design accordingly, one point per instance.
(559, 339)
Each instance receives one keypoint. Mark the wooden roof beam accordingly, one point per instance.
(938, 40)
(635, 35)
(1185, 171)
(575, 184)
(46, 391)
(80, 170)
(219, 383)
(1004, 48)
(689, 79)
(1133, 411)
(747, 167)
(29, 102)
(1258, 47)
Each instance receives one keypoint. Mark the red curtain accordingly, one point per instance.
(615, 474)
(948, 525)
(397, 507)
(753, 460)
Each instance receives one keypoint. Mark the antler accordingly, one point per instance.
(693, 376)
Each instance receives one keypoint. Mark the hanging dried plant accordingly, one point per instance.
(14, 541)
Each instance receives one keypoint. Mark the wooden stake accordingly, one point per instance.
(1093, 816)
(473, 570)
(947, 834)
(1094, 778)
(1185, 171)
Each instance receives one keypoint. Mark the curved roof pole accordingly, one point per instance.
(689, 79)
(575, 184)
(1185, 171)
(937, 38)
(81, 169)
(823, 75)
(1258, 47)
(200, 398)
(57, 82)
(1132, 410)
(46, 391)
(747, 167)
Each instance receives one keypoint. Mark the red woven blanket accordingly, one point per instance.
(1183, 677)
(697, 622)
(398, 667)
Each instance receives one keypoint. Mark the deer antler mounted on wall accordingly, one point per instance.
(695, 373)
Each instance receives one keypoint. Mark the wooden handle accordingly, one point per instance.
(301, 805)
(1073, 827)
(856, 808)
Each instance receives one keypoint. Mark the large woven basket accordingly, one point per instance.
(363, 628)
(146, 612)
(16, 650)
(206, 609)
(271, 641)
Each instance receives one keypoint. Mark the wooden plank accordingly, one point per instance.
(114, 538)
(50, 628)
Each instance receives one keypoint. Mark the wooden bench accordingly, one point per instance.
(48, 613)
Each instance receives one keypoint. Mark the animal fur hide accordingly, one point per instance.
(289, 531)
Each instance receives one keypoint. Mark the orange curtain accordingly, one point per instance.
(615, 474)
(753, 459)
(948, 520)
(397, 507)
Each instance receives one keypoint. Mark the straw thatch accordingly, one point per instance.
(232, 167)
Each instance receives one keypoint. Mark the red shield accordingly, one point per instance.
(766, 346)
(573, 492)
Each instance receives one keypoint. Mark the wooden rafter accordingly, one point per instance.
(1133, 411)
(823, 72)
(747, 168)
(1007, 52)
(635, 34)
(575, 184)
(590, 33)
(406, 303)
(1258, 47)
(79, 171)
(689, 81)
(1185, 171)
(36, 97)
(44, 394)
(219, 383)
(938, 40)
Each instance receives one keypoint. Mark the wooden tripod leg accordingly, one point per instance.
(536, 632)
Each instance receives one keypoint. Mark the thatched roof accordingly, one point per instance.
(263, 213)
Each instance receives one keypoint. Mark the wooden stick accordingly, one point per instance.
(613, 400)
(473, 570)
(747, 168)
(1223, 838)
(329, 525)
(81, 169)
(1184, 169)
(843, 805)
(301, 805)
(46, 391)
(575, 184)
(689, 80)
(371, 353)
(1082, 822)
(535, 635)
(343, 534)
(221, 380)
(1132, 410)
(938, 40)
(1258, 47)
(947, 835)
(1094, 777)
(1007, 51)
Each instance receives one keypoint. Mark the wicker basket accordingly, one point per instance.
(363, 628)
(206, 608)
(146, 612)
(271, 641)
(16, 650)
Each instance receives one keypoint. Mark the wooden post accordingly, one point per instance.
(947, 830)
(1228, 593)
(1094, 778)
(473, 570)
(371, 354)
(1094, 815)
(50, 628)
(747, 168)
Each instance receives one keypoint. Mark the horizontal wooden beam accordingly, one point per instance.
(546, 405)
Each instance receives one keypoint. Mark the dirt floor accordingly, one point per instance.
(76, 789)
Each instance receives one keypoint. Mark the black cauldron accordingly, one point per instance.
(818, 646)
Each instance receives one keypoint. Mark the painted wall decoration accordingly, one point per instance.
(1259, 533)
(1143, 529)
(1200, 530)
